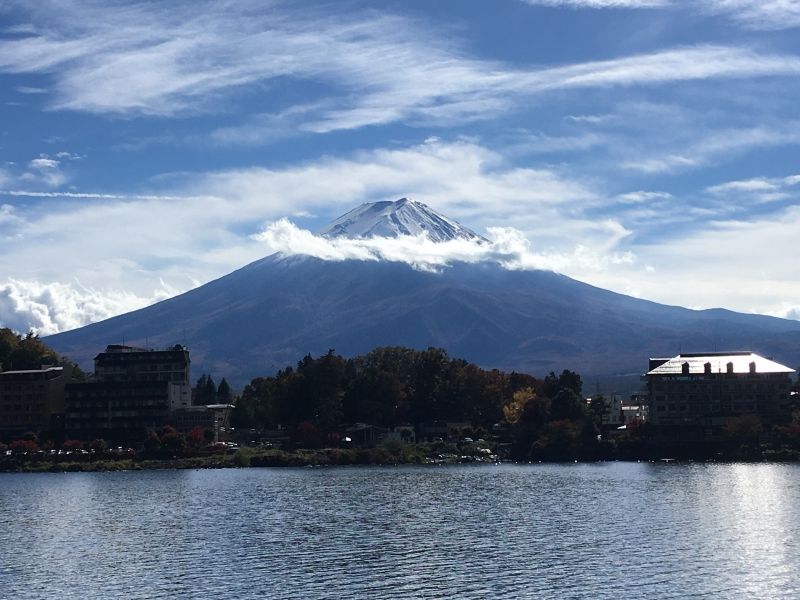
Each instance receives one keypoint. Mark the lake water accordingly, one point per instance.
(511, 531)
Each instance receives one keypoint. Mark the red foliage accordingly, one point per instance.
(196, 437)
(23, 447)
(72, 445)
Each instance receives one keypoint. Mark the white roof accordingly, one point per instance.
(719, 364)
(45, 370)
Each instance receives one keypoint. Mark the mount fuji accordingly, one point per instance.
(393, 219)
(272, 312)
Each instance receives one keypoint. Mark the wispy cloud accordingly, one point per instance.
(375, 69)
(8, 215)
(717, 146)
(750, 14)
(45, 171)
(734, 252)
(24, 89)
(758, 189)
(599, 3)
(96, 196)
(591, 119)
(643, 196)
(758, 14)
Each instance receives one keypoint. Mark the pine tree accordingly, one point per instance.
(205, 392)
(224, 392)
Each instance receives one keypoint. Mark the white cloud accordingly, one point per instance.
(43, 163)
(24, 89)
(715, 147)
(507, 247)
(68, 156)
(760, 189)
(46, 171)
(8, 215)
(375, 69)
(759, 184)
(48, 308)
(643, 196)
(750, 14)
(759, 14)
(744, 266)
(591, 119)
(787, 310)
(540, 143)
(599, 3)
(96, 196)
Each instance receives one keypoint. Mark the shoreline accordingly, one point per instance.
(317, 459)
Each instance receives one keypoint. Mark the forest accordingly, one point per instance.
(392, 386)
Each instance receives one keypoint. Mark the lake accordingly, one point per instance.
(606, 530)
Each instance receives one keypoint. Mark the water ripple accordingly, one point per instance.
(533, 531)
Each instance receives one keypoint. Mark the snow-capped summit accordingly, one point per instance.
(393, 219)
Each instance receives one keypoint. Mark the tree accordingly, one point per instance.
(99, 447)
(205, 391)
(558, 441)
(514, 409)
(32, 353)
(224, 392)
(29, 352)
(152, 443)
(172, 442)
(23, 447)
(196, 437)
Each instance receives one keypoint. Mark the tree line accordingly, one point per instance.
(20, 353)
(391, 386)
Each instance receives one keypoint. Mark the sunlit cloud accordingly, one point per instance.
(643, 196)
(506, 246)
(46, 308)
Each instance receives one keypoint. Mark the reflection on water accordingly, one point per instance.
(539, 531)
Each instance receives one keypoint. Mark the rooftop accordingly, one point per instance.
(44, 370)
(719, 361)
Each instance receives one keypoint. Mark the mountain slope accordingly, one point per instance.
(270, 313)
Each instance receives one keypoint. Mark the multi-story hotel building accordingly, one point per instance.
(706, 389)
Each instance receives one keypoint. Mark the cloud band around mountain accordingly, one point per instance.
(506, 246)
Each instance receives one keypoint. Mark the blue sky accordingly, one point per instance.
(645, 146)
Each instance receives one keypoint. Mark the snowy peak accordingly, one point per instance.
(393, 219)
